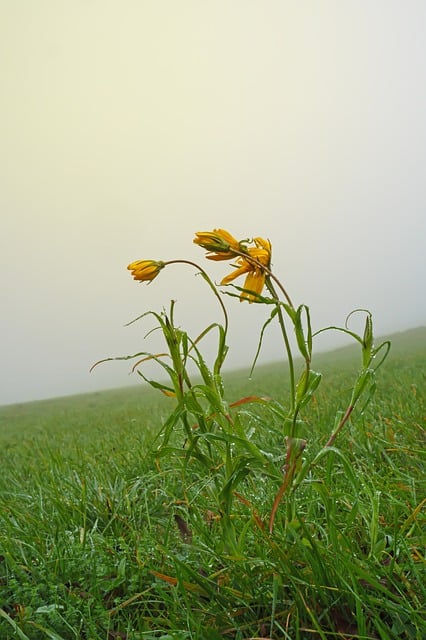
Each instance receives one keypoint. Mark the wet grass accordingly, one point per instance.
(100, 541)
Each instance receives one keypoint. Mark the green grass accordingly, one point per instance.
(100, 541)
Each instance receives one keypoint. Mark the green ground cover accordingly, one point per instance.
(101, 540)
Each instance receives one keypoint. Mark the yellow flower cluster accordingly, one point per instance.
(219, 243)
(253, 261)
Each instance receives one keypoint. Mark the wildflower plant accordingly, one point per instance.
(216, 446)
(254, 490)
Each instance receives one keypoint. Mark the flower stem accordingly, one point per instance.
(339, 427)
(274, 294)
(209, 282)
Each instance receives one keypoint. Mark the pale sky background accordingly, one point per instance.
(126, 126)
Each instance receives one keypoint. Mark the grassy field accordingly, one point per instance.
(100, 540)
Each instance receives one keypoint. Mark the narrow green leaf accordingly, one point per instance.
(259, 344)
(21, 635)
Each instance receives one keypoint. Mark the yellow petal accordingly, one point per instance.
(145, 270)
(254, 282)
(246, 267)
(264, 244)
(218, 241)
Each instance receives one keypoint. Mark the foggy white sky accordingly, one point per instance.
(126, 126)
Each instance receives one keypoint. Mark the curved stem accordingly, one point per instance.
(209, 282)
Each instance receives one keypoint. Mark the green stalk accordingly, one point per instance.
(274, 294)
(209, 282)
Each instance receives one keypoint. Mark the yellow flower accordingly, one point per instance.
(145, 270)
(220, 243)
(257, 257)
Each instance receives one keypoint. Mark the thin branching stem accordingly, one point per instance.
(209, 282)
(341, 424)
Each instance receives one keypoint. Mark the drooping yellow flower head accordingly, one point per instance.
(253, 261)
(220, 244)
(145, 270)
(252, 264)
